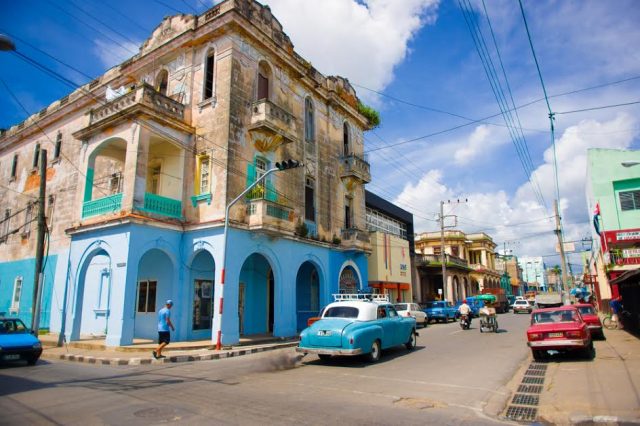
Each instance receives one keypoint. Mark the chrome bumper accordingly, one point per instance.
(559, 343)
(324, 351)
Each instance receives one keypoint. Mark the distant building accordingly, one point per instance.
(392, 248)
(469, 260)
(533, 272)
(509, 264)
(613, 200)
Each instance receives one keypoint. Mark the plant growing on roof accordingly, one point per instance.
(372, 116)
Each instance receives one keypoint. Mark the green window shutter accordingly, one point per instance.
(251, 174)
(271, 191)
(88, 185)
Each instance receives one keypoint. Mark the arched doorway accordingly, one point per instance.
(202, 289)
(94, 294)
(307, 294)
(256, 296)
(349, 282)
(154, 287)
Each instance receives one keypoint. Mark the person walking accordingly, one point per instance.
(164, 325)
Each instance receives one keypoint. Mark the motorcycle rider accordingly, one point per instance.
(465, 309)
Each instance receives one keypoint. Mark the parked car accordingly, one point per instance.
(412, 310)
(440, 311)
(522, 306)
(559, 329)
(17, 343)
(592, 319)
(353, 325)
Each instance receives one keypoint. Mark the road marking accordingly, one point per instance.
(456, 332)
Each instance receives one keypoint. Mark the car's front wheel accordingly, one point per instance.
(375, 352)
(413, 341)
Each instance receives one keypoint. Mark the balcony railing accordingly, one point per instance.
(436, 260)
(356, 167)
(142, 98)
(163, 206)
(624, 257)
(105, 205)
(356, 239)
(268, 117)
(270, 216)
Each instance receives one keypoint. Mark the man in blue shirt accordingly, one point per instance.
(164, 324)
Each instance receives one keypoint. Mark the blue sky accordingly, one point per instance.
(419, 52)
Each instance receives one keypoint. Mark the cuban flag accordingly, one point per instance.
(596, 221)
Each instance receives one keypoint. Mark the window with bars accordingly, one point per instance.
(17, 293)
(629, 200)
(28, 218)
(204, 177)
(377, 221)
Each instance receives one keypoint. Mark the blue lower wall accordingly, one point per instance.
(25, 268)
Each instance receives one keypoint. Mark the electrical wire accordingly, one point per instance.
(599, 107)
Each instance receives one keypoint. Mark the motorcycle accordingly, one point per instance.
(465, 321)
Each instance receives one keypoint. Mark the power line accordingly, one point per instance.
(599, 107)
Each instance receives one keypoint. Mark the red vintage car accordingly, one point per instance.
(559, 329)
(589, 315)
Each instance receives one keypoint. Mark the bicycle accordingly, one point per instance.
(610, 324)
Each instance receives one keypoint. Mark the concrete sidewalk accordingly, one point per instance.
(95, 352)
(603, 391)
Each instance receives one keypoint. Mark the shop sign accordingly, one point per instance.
(626, 253)
(626, 236)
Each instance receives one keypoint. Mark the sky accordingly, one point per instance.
(417, 63)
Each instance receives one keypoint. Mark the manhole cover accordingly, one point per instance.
(529, 389)
(525, 399)
(522, 413)
(157, 414)
(535, 372)
(533, 380)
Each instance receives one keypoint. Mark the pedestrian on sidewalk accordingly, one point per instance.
(164, 325)
(616, 309)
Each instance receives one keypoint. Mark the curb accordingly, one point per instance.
(87, 359)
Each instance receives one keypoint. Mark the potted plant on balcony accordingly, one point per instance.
(301, 229)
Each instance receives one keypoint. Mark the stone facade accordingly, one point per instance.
(151, 154)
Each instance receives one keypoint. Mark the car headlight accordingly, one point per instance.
(37, 345)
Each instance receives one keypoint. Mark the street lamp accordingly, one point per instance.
(6, 43)
(283, 165)
(629, 163)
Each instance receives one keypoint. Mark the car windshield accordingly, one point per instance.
(562, 315)
(521, 302)
(341, 312)
(586, 310)
(12, 327)
(401, 307)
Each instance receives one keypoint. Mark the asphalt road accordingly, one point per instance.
(448, 379)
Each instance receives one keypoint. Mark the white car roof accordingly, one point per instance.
(367, 310)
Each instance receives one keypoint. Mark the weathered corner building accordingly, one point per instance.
(145, 159)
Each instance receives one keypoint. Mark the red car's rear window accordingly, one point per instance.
(561, 315)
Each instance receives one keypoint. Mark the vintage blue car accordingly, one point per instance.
(358, 325)
(440, 311)
(17, 343)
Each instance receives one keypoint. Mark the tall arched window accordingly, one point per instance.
(309, 121)
(264, 80)
(162, 81)
(208, 75)
(346, 136)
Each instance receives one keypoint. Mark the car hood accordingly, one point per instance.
(17, 340)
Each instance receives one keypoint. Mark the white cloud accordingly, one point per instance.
(480, 143)
(111, 53)
(361, 40)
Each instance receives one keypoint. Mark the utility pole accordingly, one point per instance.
(42, 225)
(442, 254)
(565, 280)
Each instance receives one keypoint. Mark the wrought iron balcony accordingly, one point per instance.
(272, 120)
(355, 239)
(269, 216)
(356, 167)
(426, 260)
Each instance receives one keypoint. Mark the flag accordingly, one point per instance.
(596, 221)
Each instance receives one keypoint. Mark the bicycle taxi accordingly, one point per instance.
(488, 316)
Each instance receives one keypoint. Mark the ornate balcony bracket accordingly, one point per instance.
(355, 168)
(355, 239)
(270, 217)
(271, 125)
